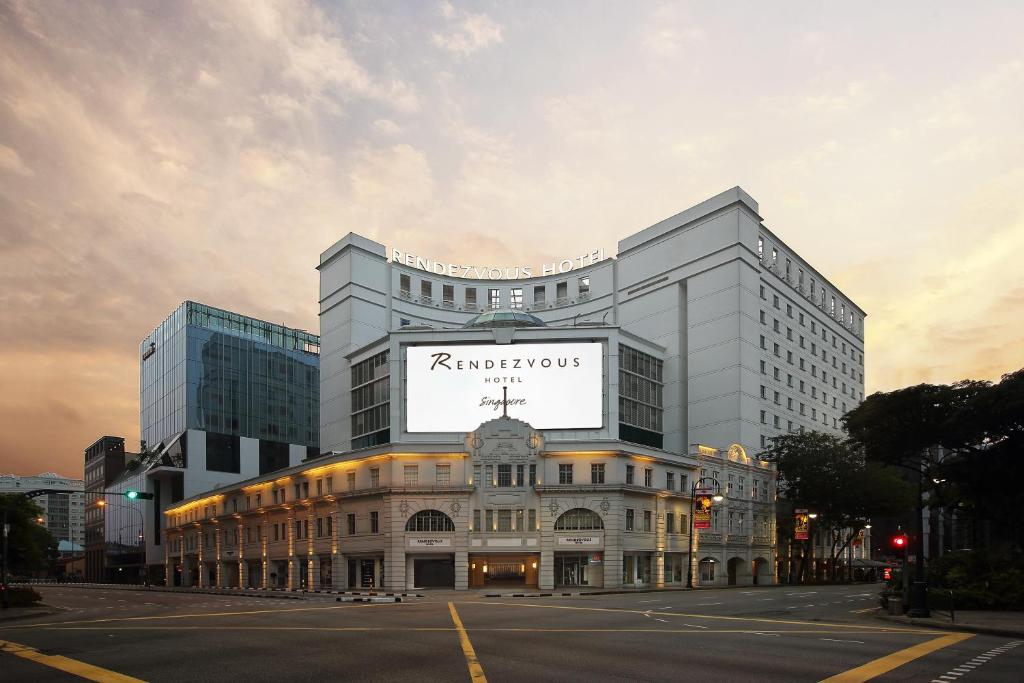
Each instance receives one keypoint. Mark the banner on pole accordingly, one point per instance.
(702, 509)
(802, 523)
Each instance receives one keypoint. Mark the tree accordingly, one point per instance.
(827, 475)
(30, 545)
(980, 429)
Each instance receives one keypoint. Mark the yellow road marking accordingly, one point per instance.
(885, 664)
(197, 616)
(861, 611)
(476, 673)
(71, 666)
(703, 616)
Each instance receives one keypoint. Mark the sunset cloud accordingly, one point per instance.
(155, 152)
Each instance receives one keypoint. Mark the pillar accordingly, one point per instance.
(218, 537)
(339, 566)
(264, 560)
(462, 570)
(204, 579)
(313, 573)
(547, 570)
(243, 565)
(293, 574)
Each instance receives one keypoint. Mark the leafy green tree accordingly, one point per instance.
(30, 546)
(980, 429)
(827, 475)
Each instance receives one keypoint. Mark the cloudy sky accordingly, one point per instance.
(156, 152)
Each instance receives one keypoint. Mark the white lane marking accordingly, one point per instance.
(666, 607)
(772, 635)
(837, 640)
(694, 626)
(642, 601)
(707, 604)
(664, 621)
(765, 599)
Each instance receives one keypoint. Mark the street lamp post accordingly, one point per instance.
(810, 542)
(717, 497)
(919, 588)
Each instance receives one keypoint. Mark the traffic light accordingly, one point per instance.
(131, 494)
(899, 541)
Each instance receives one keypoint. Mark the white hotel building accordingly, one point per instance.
(629, 379)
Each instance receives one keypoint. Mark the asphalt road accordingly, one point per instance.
(760, 634)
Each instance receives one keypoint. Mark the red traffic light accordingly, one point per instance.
(899, 541)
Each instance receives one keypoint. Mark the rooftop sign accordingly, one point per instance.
(488, 273)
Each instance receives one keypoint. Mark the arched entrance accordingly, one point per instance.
(759, 571)
(735, 568)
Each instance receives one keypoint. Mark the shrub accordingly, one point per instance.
(22, 596)
(981, 579)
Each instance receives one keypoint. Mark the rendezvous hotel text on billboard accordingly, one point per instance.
(549, 386)
(489, 427)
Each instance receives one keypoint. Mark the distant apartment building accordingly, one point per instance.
(105, 459)
(223, 397)
(63, 514)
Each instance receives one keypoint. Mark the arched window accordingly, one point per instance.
(579, 519)
(430, 520)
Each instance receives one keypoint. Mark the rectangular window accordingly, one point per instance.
(533, 475)
(504, 476)
(374, 477)
(494, 298)
(374, 522)
(471, 297)
(489, 476)
(648, 477)
(504, 520)
(476, 520)
(319, 527)
(539, 295)
(670, 523)
(532, 519)
(629, 473)
(351, 524)
(519, 520)
(647, 520)
(489, 517)
(404, 285)
(426, 289)
(444, 475)
(520, 471)
(561, 292)
(670, 481)
(350, 479)
(516, 297)
(629, 519)
(585, 285)
(597, 473)
(448, 295)
(412, 475)
(565, 474)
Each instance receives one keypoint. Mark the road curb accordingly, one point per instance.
(42, 613)
(963, 628)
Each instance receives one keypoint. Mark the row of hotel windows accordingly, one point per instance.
(854, 357)
(494, 294)
(801, 318)
(802, 364)
(640, 397)
(844, 316)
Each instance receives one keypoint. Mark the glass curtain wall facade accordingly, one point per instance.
(208, 369)
(640, 397)
(371, 401)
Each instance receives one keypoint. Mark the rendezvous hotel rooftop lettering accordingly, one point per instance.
(488, 273)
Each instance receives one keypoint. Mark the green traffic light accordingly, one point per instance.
(132, 495)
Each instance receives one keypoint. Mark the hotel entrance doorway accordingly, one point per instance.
(503, 571)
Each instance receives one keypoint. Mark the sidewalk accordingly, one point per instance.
(1009, 624)
(15, 613)
(340, 596)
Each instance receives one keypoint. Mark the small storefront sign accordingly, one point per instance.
(595, 558)
(579, 540)
(429, 542)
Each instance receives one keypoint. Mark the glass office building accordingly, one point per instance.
(223, 373)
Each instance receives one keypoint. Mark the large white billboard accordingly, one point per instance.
(550, 386)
